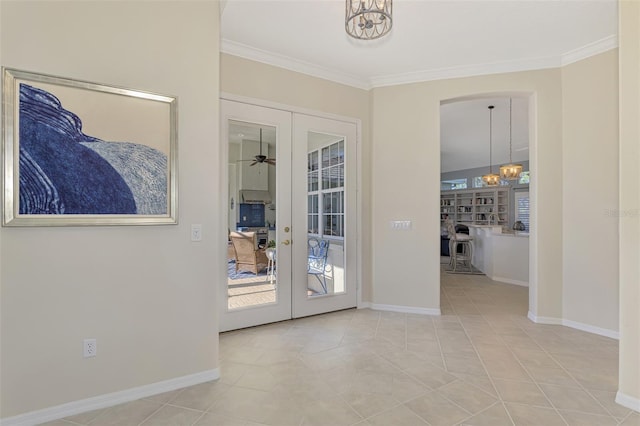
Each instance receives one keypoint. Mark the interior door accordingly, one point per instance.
(324, 201)
(258, 147)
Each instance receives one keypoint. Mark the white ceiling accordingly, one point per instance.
(464, 132)
(430, 39)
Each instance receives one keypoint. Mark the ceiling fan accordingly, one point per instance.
(260, 158)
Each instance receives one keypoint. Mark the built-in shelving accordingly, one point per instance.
(475, 207)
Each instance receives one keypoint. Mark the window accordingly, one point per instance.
(477, 182)
(522, 208)
(524, 178)
(325, 191)
(447, 185)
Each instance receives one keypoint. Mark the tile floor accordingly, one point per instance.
(481, 363)
(250, 292)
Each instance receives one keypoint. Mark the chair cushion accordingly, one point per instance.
(463, 237)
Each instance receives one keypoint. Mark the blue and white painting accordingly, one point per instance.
(63, 171)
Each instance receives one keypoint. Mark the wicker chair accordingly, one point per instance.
(247, 256)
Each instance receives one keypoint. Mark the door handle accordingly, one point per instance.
(286, 242)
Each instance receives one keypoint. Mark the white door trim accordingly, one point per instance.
(231, 319)
(321, 114)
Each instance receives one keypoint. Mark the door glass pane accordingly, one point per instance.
(325, 213)
(251, 261)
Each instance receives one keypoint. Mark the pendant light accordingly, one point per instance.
(491, 179)
(368, 19)
(510, 171)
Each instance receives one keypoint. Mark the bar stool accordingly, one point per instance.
(465, 242)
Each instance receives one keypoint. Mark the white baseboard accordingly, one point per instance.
(574, 324)
(628, 401)
(405, 309)
(544, 320)
(108, 400)
(510, 281)
(592, 329)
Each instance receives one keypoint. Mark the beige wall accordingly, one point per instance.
(268, 83)
(629, 39)
(590, 191)
(146, 293)
(406, 161)
(405, 155)
(60, 285)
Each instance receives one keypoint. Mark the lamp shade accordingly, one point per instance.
(491, 179)
(510, 171)
(368, 19)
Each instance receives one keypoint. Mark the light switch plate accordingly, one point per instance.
(400, 225)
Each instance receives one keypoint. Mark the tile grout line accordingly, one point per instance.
(624, 419)
(525, 370)
(570, 375)
(498, 402)
(538, 384)
(431, 390)
(152, 414)
(480, 358)
(199, 418)
(457, 378)
(435, 329)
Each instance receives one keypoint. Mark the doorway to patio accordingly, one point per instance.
(291, 244)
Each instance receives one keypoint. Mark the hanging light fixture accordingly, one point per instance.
(368, 19)
(510, 171)
(491, 179)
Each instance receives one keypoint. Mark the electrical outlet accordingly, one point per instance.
(196, 232)
(90, 348)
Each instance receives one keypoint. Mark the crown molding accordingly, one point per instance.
(465, 71)
(570, 57)
(590, 49)
(248, 52)
(275, 59)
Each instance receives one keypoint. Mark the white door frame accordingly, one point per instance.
(358, 176)
(303, 305)
(281, 120)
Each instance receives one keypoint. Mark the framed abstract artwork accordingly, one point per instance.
(79, 153)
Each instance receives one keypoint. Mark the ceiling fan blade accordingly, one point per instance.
(253, 164)
(271, 161)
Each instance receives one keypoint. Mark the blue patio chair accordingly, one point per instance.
(318, 251)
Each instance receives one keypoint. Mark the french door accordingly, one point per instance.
(291, 186)
(324, 170)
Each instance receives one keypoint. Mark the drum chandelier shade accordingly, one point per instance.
(491, 179)
(368, 19)
(510, 171)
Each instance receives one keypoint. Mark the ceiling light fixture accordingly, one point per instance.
(491, 179)
(368, 19)
(510, 171)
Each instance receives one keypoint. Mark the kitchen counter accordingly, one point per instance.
(501, 256)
